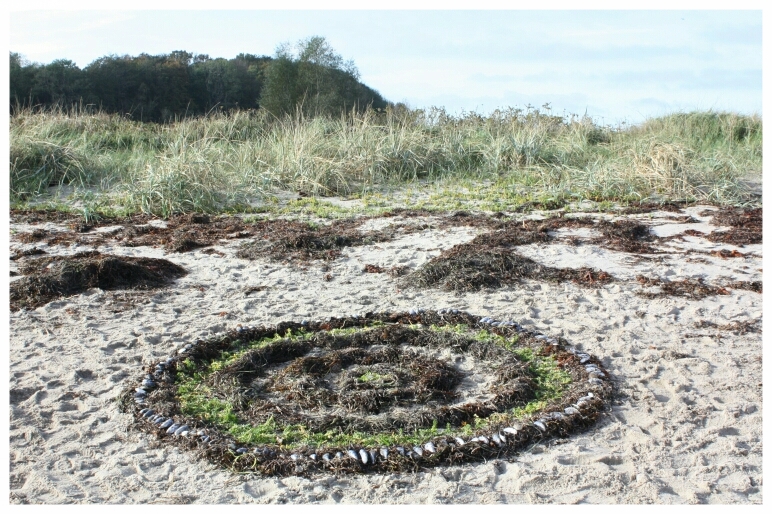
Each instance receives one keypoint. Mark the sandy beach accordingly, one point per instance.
(684, 425)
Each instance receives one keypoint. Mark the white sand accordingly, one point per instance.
(685, 427)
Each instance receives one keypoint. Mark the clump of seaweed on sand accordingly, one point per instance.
(48, 278)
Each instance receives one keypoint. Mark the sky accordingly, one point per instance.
(616, 66)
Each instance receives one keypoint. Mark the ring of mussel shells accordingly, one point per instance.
(152, 399)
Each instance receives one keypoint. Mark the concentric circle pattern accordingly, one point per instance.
(380, 392)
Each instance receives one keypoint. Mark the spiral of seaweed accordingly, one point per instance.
(154, 400)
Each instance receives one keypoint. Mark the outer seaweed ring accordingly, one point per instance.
(580, 408)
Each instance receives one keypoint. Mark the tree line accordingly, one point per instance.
(308, 76)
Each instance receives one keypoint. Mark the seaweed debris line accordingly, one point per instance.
(381, 392)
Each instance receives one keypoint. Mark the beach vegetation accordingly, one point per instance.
(511, 160)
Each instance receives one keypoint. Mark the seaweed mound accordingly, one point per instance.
(471, 267)
(47, 279)
(745, 226)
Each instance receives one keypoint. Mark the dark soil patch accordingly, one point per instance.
(49, 278)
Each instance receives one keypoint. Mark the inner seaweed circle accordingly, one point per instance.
(391, 377)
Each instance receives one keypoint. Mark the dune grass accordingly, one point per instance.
(222, 162)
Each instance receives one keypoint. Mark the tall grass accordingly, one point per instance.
(221, 161)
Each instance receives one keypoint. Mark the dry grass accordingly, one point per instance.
(222, 161)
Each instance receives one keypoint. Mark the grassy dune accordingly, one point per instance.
(220, 162)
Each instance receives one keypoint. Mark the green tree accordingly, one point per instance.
(22, 77)
(316, 79)
(280, 92)
(59, 82)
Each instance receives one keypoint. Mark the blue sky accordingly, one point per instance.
(614, 65)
